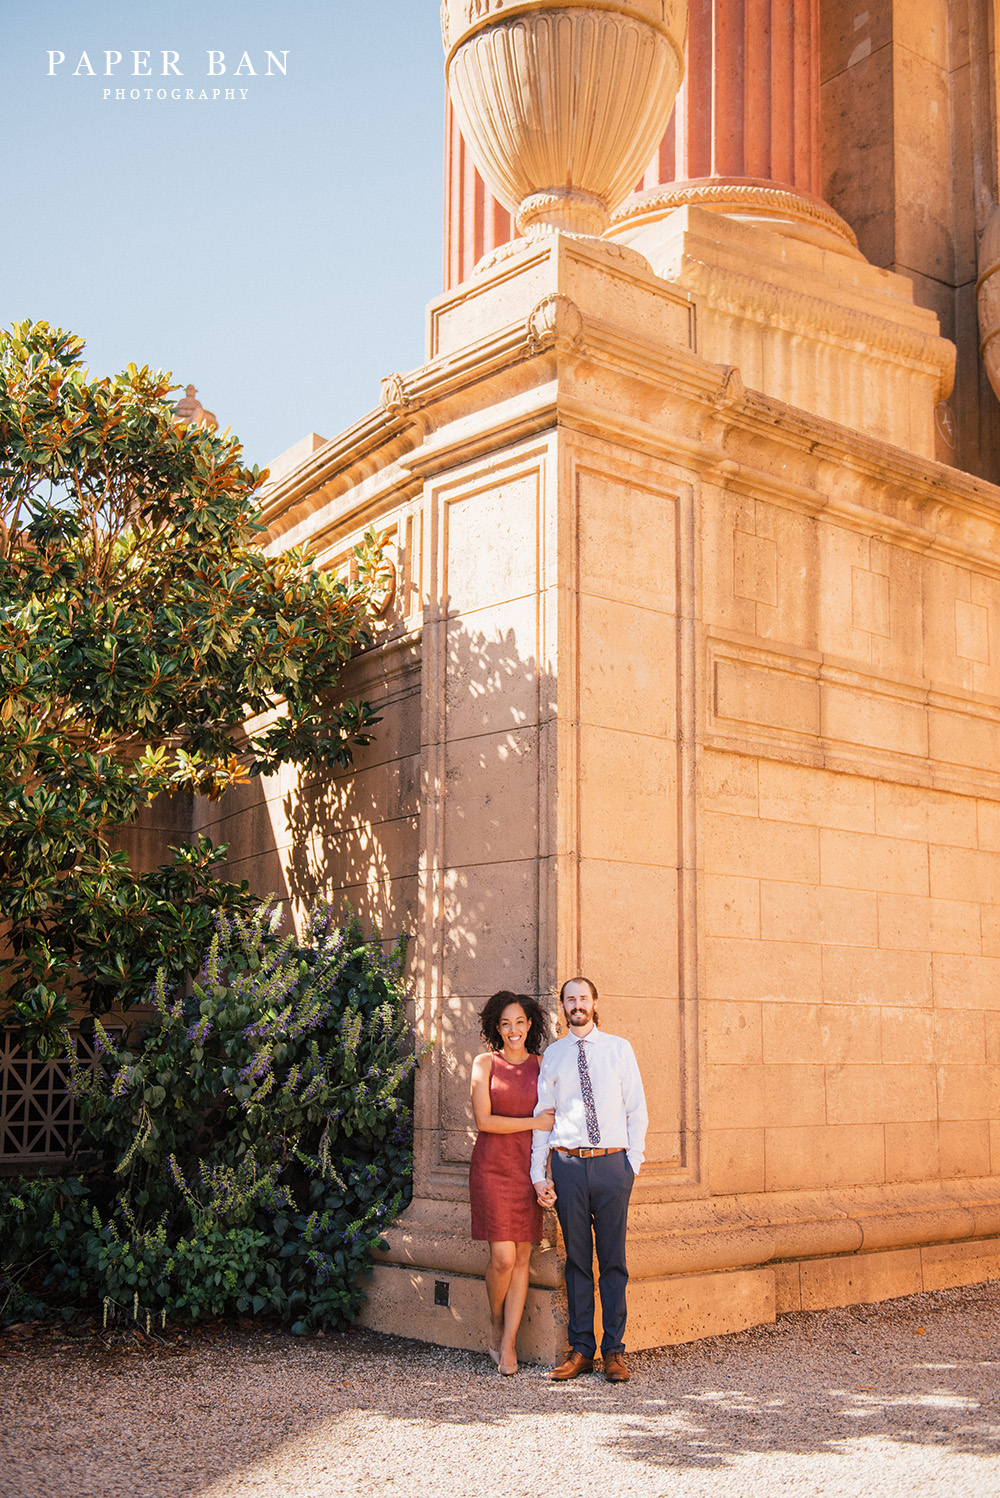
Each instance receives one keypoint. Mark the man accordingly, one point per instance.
(597, 1142)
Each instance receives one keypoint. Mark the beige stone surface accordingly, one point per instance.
(832, 1154)
(863, 1277)
(695, 690)
(774, 307)
(692, 1306)
(405, 1298)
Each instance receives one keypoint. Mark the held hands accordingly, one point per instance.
(546, 1193)
(544, 1121)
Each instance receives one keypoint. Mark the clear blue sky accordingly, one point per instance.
(277, 252)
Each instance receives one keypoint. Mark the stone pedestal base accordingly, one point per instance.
(450, 1309)
(818, 328)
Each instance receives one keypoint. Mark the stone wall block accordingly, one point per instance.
(733, 1031)
(912, 1151)
(776, 971)
(860, 861)
(907, 1035)
(802, 795)
(860, 1278)
(881, 1094)
(872, 976)
(797, 912)
(731, 906)
(734, 1161)
(760, 848)
(828, 1155)
(965, 1149)
(821, 1034)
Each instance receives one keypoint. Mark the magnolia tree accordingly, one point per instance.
(142, 628)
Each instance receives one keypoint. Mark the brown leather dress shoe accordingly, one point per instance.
(616, 1369)
(574, 1365)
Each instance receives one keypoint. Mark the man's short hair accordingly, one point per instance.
(589, 982)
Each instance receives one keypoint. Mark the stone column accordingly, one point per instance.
(745, 138)
(474, 222)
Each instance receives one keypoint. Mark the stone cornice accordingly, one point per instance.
(743, 295)
(528, 364)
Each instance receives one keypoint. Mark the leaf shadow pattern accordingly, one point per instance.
(449, 781)
(244, 1412)
(889, 1373)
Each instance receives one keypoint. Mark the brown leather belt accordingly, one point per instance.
(589, 1154)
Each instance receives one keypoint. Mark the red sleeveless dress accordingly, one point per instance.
(504, 1205)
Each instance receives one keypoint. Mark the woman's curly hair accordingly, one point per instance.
(489, 1020)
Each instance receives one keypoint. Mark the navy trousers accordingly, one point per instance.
(592, 1204)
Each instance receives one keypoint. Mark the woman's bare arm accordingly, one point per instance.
(488, 1122)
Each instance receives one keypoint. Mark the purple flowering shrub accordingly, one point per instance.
(247, 1155)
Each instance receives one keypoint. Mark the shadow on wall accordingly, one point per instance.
(488, 724)
(451, 776)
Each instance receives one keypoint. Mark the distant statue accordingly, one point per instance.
(189, 412)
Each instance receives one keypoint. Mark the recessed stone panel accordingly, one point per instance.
(491, 669)
(628, 797)
(774, 699)
(491, 543)
(627, 666)
(490, 928)
(490, 802)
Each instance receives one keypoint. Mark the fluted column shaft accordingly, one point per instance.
(749, 105)
(474, 222)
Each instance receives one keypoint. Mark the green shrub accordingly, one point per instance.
(248, 1153)
(44, 1225)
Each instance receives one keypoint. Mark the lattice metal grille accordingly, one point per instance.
(38, 1119)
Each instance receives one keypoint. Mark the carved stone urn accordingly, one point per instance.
(562, 102)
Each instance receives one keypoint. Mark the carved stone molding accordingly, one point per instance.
(779, 307)
(555, 318)
(394, 397)
(747, 198)
(732, 391)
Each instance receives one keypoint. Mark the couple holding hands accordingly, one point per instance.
(564, 1129)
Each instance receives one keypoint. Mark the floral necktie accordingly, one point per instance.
(593, 1130)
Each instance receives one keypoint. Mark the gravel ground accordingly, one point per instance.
(868, 1402)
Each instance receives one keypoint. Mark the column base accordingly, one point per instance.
(752, 200)
(449, 1310)
(812, 325)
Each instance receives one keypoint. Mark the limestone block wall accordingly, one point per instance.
(486, 836)
(699, 694)
(850, 812)
(849, 984)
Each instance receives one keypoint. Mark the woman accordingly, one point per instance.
(505, 1210)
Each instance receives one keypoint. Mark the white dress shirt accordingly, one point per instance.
(618, 1099)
